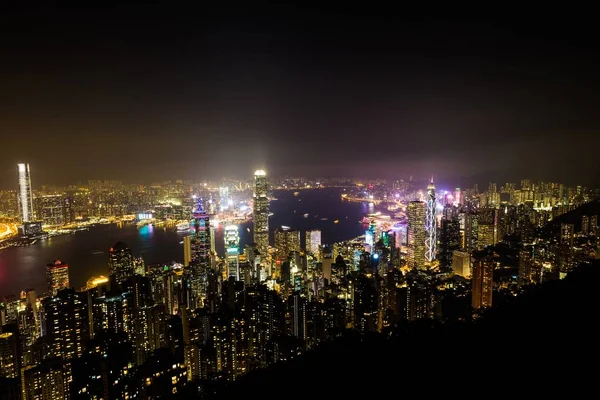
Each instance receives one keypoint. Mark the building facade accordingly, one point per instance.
(286, 241)
(313, 241)
(120, 262)
(482, 285)
(25, 196)
(57, 276)
(232, 251)
(261, 212)
(416, 234)
(431, 224)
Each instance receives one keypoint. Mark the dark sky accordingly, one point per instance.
(145, 93)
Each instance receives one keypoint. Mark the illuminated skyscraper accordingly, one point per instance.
(120, 262)
(430, 224)
(232, 251)
(416, 234)
(187, 251)
(458, 198)
(286, 241)
(471, 232)
(48, 380)
(461, 263)
(313, 241)
(261, 212)
(57, 276)
(200, 249)
(530, 265)
(67, 323)
(487, 221)
(25, 197)
(201, 237)
(224, 200)
(9, 355)
(450, 241)
(482, 276)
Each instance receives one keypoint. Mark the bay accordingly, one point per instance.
(86, 252)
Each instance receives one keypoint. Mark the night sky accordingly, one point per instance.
(146, 93)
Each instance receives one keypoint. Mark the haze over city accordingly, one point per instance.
(163, 92)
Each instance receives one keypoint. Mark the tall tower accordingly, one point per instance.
(57, 276)
(187, 251)
(287, 240)
(487, 227)
(482, 282)
(201, 236)
(25, 197)
(430, 224)
(450, 241)
(261, 212)
(67, 323)
(313, 241)
(232, 251)
(200, 252)
(120, 262)
(416, 214)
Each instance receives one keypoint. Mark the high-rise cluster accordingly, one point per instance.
(151, 331)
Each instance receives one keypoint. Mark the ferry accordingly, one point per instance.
(183, 227)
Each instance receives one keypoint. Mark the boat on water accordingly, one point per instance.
(183, 227)
(306, 215)
(296, 193)
(324, 219)
(337, 221)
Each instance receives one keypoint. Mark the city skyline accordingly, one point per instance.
(120, 93)
(253, 295)
(260, 200)
(247, 176)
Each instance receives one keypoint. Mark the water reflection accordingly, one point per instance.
(86, 252)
